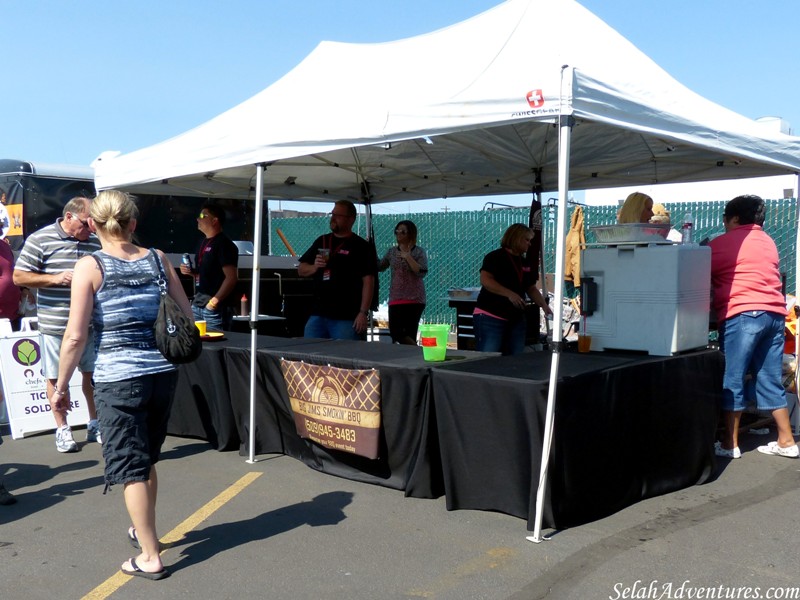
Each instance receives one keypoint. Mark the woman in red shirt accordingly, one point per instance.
(751, 310)
(9, 293)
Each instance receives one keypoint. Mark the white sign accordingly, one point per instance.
(25, 387)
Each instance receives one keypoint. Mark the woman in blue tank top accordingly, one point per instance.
(115, 289)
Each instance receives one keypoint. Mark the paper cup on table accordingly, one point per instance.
(584, 343)
(433, 339)
(201, 327)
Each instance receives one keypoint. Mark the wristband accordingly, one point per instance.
(59, 392)
(364, 312)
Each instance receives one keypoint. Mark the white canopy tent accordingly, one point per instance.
(530, 94)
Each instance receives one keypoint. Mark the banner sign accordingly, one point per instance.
(336, 408)
(10, 211)
(25, 387)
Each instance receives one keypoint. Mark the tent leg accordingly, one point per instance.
(566, 122)
(544, 285)
(536, 222)
(796, 430)
(547, 442)
(254, 309)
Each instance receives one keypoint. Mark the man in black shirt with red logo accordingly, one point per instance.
(216, 270)
(343, 266)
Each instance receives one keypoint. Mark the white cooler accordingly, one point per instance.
(651, 298)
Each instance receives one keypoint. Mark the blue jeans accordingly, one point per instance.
(216, 320)
(497, 335)
(753, 345)
(336, 329)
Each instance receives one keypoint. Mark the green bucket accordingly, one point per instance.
(433, 339)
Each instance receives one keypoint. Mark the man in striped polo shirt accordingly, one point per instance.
(46, 262)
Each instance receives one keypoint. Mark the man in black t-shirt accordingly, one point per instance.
(343, 266)
(216, 268)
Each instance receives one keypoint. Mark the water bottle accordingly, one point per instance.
(687, 229)
(244, 309)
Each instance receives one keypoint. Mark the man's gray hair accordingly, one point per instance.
(77, 205)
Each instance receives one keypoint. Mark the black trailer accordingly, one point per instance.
(33, 195)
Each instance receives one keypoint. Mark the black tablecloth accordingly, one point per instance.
(409, 458)
(202, 407)
(626, 428)
(213, 402)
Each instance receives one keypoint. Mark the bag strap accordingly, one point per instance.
(99, 263)
(162, 276)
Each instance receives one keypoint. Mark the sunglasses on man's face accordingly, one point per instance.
(204, 216)
(79, 220)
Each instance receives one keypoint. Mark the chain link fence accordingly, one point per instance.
(456, 242)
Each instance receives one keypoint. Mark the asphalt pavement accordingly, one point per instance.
(277, 529)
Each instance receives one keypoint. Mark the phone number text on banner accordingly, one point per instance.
(336, 408)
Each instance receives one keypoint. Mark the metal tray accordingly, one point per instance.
(623, 233)
(470, 293)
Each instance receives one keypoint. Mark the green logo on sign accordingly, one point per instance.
(27, 353)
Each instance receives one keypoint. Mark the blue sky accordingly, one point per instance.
(86, 76)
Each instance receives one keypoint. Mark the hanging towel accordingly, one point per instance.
(576, 239)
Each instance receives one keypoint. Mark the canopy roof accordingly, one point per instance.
(467, 110)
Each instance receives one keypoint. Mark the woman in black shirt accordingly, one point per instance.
(499, 315)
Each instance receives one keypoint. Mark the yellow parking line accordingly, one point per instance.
(493, 559)
(113, 583)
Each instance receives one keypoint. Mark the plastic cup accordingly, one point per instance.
(201, 327)
(584, 343)
(433, 339)
(325, 253)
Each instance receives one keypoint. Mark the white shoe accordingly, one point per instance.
(725, 452)
(772, 448)
(93, 432)
(64, 441)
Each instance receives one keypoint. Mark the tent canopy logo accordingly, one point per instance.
(535, 98)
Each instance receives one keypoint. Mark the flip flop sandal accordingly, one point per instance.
(135, 540)
(137, 572)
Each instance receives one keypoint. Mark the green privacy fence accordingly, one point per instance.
(457, 241)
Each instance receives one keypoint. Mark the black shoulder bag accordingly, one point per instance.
(177, 338)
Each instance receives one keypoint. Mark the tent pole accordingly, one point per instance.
(269, 230)
(254, 293)
(796, 430)
(565, 133)
(540, 266)
(797, 240)
(536, 223)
